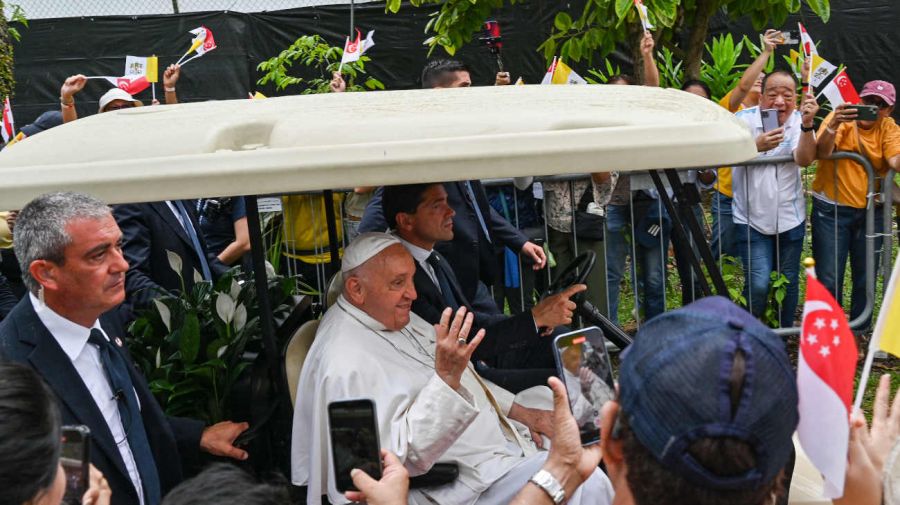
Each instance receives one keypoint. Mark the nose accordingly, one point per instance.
(119, 263)
(410, 292)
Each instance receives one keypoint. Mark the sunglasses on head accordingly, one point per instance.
(878, 102)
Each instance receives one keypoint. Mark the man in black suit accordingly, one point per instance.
(151, 231)
(420, 215)
(68, 245)
(480, 233)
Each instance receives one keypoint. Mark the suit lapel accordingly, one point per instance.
(426, 289)
(454, 282)
(162, 208)
(57, 369)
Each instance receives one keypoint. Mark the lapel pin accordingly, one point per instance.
(118, 341)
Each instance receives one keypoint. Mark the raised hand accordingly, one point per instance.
(808, 109)
(453, 350)
(337, 84)
(171, 75)
(73, 85)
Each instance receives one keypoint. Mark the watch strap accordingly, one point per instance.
(546, 481)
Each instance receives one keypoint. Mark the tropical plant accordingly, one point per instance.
(600, 25)
(777, 292)
(9, 32)
(313, 52)
(601, 76)
(191, 346)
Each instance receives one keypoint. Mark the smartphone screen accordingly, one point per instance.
(790, 37)
(865, 112)
(769, 119)
(354, 440)
(75, 460)
(584, 367)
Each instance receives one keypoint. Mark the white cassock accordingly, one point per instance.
(420, 418)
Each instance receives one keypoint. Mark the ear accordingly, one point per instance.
(609, 440)
(404, 222)
(45, 273)
(354, 290)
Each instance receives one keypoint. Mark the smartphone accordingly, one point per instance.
(769, 119)
(790, 37)
(865, 112)
(584, 367)
(75, 458)
(353, 427)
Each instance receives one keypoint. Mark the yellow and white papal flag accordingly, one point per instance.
(560, 73)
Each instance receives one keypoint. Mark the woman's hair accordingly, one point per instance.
(697, 82)
(29, 435)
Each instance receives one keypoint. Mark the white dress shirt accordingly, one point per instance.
(73, 339)
(421, 256)
(769, 197)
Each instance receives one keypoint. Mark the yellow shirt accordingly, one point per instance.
(6, 240)
(723, 177)
(305, 230)
(880, 143)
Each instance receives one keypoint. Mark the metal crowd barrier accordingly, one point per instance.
(322, 273)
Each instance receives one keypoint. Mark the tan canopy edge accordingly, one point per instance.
(310, 142)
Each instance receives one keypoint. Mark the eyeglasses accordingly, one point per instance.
(878, 102)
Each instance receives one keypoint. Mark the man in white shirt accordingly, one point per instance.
(769, 210)
(431, 405)
(69, 248)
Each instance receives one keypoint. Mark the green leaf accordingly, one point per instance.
(190, 338)
(563, 21)
(822, 8)
(622, 7)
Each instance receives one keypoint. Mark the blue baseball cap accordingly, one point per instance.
(674, 388)
(47, 120)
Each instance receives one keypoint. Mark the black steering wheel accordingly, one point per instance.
(577, 272)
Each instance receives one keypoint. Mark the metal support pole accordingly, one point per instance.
(266, 323)
(333, 247)
(678, 230)
(352, 17)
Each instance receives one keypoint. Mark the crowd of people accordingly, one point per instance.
(706, 402)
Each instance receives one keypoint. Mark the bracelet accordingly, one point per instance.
(170, 90)
(804, 84)
(64, 104)
(547, 482)
(830, 130)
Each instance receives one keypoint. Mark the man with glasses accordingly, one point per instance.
(841, 186)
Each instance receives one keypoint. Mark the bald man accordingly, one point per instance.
(431, 405)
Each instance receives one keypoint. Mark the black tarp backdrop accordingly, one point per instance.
(52, 49)
(861, 34)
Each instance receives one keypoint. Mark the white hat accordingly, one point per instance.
(364, 247)
(115, 94)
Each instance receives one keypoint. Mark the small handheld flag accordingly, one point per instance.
(806, 42)
(560, 73)
(819, 70)
(131, 84)
(825, 370)
(9, 126)
(840, 90)
(203, 42)
(353, 50)
(644, 15)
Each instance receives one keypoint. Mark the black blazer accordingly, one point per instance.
(470, 253)
(148, 231)
(24, 339)
(502, 333)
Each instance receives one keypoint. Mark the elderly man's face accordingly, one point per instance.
(386, 289)
(92, 277)
(780, 94)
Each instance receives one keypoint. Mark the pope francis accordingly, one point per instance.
(431, 404)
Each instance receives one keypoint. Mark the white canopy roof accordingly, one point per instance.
(278, 145)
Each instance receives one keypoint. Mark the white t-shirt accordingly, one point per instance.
(769, 197)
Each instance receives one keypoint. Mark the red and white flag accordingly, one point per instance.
(806, 42)
(9, 126)
(825, 371)
(840, 90)
(353, 50)
(202, 43)
(131, 84)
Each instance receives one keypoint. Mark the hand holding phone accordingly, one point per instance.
(769, 119)
(585, 368)
(353, 427)
(864, 112)
(75, 459)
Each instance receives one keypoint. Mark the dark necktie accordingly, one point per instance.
(195, 240)
(470, 194)
(123, 389)
(443, 280)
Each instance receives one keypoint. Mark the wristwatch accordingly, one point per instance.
(546, 481)
(807, 129)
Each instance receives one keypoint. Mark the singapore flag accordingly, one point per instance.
(825, 373)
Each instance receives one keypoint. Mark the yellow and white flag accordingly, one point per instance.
(820, 70)
(560, 73)
(147, 66)
(887, 329)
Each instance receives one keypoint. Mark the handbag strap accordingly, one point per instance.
(587, 197)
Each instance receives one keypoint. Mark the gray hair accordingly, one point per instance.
(40, 232)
